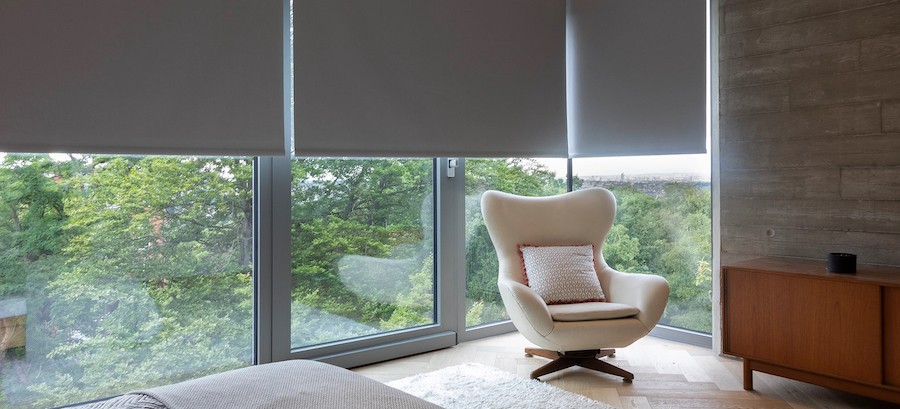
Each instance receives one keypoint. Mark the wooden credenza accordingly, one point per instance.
(791, 318)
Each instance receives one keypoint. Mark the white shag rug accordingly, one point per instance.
(471, 385)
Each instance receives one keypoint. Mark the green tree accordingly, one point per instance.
(145, 280)
(361, 231)
(32, 217)
(415, 306)
(667, 234)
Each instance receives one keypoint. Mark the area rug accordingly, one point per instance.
(470, 386)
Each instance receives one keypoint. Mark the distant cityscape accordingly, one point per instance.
(649, 177)
(649, 183)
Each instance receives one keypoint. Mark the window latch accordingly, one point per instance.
(452, 164)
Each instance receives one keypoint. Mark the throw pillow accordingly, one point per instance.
(562, 274)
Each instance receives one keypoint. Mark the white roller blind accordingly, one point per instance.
(142, 76)
(429, 78)
(637, 72)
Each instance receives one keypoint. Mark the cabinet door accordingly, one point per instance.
(806, 323)
(738, 310)
(892, 336)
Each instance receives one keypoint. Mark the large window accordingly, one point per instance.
(663, 226)
(527, 177)
(121, 273)
(118, 273)
(362, 248)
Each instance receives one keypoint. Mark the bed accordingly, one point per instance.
(287, 384)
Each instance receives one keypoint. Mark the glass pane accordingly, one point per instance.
(120, 273)
(527, 177)
(663, 226)
(362, 250)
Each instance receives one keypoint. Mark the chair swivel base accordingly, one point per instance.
(589, 359)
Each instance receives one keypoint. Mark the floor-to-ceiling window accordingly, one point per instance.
(118, 273)
(662, 227)
(362, 248)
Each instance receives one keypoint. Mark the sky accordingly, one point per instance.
(698, 164)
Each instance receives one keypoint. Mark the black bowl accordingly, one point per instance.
(844, 263)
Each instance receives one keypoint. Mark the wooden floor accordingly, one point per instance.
(667, 375)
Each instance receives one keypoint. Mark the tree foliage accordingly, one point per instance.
(135, 271)
(667, 233)
(361, 239)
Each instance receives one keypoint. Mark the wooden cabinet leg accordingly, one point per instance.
(748, 376)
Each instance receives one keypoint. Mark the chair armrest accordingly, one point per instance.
(525, 307)
(648, 293)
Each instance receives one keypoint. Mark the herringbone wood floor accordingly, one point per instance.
(667, 375)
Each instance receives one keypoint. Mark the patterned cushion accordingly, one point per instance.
(562, 274)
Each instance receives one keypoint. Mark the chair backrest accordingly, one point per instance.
(575, 218)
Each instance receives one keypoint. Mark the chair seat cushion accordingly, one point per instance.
(591, 311)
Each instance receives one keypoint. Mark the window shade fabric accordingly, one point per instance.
(637, 77)
(429, 78)
(373, 78)
(199, 77)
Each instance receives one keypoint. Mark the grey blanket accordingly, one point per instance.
(127, 401)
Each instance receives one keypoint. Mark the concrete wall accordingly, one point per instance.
(809, 132)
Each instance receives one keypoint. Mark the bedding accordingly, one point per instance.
(287, 384)
(127, 401)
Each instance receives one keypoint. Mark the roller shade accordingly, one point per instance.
(142, 77)
(637, 77)
(429, 78)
